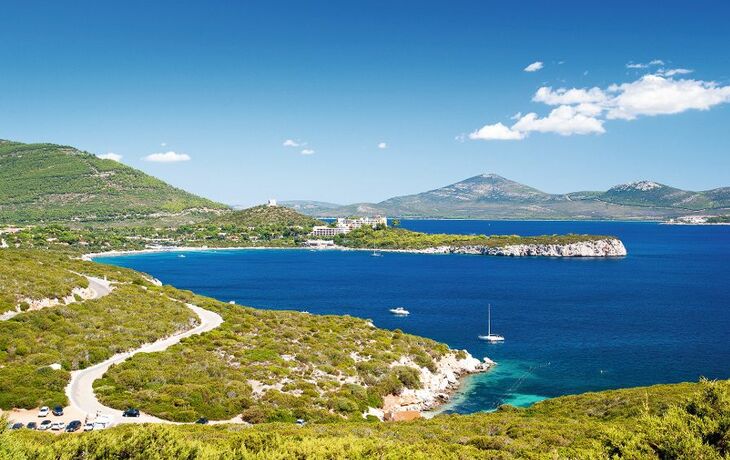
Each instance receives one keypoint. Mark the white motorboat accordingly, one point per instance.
(400, 311)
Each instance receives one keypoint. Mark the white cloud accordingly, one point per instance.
(673, 72)
(307, 152)
(497, 131)
(534, 67)
(167, 157)
(110, 156)
(640, 65)
(291, 143)
(564, 120)
(656, 95)
(590, 109)
(163, 144)
(585, 110)
(562, 96)
(382, 145)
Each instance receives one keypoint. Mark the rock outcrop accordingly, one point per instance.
(436, 387)
(609, 247)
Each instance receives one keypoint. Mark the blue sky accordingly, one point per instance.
(227, 83)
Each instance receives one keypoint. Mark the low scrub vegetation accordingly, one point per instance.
(270, 366)
(685, 421)
(399, 238)
(41, 277)
(257, 226)
(263, 365)
(719, 219)
(76, 335)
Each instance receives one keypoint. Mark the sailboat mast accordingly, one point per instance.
(489, 329)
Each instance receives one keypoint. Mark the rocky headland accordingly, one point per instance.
(609, 247)
(437, 386)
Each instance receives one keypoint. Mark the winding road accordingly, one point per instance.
(80, 390)
(83, 403)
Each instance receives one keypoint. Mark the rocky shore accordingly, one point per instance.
(609, 247)
(437, 387)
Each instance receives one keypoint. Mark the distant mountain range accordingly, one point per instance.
(48, 183)
(490, 196)
(44, 183)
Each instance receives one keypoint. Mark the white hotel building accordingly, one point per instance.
(346, 225)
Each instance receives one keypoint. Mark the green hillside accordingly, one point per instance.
(264, 216)
(264, 365)
(683, 421)
(75, 335)
(399, 238)
(41, 183)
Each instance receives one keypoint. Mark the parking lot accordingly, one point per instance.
(69, 414)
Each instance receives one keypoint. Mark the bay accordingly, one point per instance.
(659, 315)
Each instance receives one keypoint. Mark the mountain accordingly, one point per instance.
(42, 183)
(490, 196)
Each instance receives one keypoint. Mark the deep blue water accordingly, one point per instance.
(659, 315)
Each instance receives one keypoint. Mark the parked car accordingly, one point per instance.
(202, 421)
(16, 426)
(43, 411)
(32, 425)
(101, 422)
(45, 424)
(58, 426)
(131, 412)
(73, 425)
(57, 411)
(89, 426)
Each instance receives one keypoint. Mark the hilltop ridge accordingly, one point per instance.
(42, 183)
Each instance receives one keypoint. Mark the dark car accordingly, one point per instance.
(202, 421)
(31, 425)
(57, 411)
(131, 412)
(17, 426)
(73, 425)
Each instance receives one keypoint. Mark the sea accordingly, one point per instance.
(571, 325)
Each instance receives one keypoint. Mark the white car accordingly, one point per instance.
(43, 411)
(89, 426)
(58, 426)
(45, 424)
(102, 421)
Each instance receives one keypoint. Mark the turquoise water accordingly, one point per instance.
(659, 315)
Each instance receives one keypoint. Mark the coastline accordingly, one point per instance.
(515, 250)
(438, 387)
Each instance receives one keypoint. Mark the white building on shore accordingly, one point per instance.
(346, 225)
(357, 222)
(324, 230)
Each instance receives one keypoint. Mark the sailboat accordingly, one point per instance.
(491, 337)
